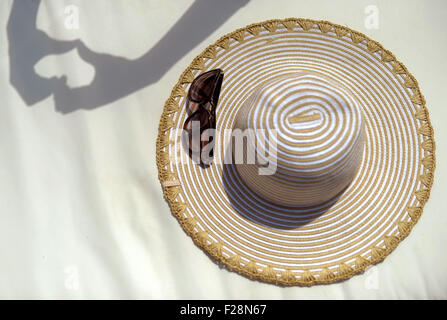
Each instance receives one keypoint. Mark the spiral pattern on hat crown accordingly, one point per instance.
(318, 143)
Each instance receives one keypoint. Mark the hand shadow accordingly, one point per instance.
(115, 77)
(27, 46)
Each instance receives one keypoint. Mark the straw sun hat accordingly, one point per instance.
(351, 143)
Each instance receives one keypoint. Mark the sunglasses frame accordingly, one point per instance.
(212, 100)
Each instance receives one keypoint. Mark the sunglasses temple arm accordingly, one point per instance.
(216, 85)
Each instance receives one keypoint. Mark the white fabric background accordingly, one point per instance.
(81, 208)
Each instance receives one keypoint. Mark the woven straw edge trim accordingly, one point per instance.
(287, 278)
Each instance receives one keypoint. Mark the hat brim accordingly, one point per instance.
(321, 244)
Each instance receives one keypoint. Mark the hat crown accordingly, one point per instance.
(312, 128)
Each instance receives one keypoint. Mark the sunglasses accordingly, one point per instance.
(201, 103)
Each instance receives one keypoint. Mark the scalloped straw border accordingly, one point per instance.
(288, 278)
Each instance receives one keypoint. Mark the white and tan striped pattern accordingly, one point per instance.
(319, 141)
(338, 238)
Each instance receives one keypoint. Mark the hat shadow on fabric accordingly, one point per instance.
(252, 207)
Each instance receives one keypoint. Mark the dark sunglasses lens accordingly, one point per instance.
(199, 119)
(193, 127)
(202, 87)
(192, 106)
